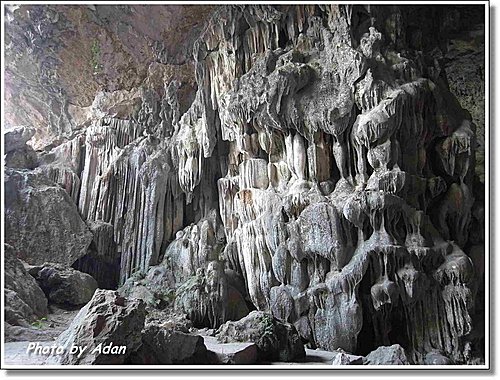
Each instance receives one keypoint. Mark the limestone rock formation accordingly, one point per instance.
(231, 353)
(192, 279)
(465, 71)
(387, 355)
(17, 138)
(25, 302)
(102, 260)
(168, 346)
(62, 285)
(343, 358)
(108, 320)
(276, 341)
(17, 153)
(436, 358)
(312, 166)
(41, 221)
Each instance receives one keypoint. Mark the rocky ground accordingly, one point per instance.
(228, 353)
(183, 345)
(46, 329)
(228, 184)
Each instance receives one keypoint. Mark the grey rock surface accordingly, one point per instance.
(192, 278)
(387, 355)
(17, 138)
(107, 320)
(231, 353)
(16, 354)
(275, 340)
(62, 285)
(24, 158)
(45, 329)
(436, 358)
(28, 334)
(18, 154)
(102, 260)
(343, 358)
(162, 345)
(41, 221)
(25, 302)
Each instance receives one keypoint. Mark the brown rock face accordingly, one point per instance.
(60, 56)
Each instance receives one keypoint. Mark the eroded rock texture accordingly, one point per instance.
(307, 161)
(108, 320)
(275, 340)
(25, 302)
(41, 221)
(65, 286)
(161, 345)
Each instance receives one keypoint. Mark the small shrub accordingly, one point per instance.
(39, 324)
(95, 50)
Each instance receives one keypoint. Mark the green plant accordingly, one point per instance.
(95, 51)
(40, 323)
(268, 326)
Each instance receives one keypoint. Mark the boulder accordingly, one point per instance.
(343, 358)
(140, 292)
(108, 321)
(24, 300)
(162, 345)
(168, 319)
(16, 138)
(23, 158)
(17, 153)
(231, 353)
(65, 286)
(41, 221)
(436, 358)
(387, 355)
(275, 340)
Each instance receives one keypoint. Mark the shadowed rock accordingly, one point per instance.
(64, 286)
(162, 345)
(41, 221)
(275, 340)
(25, 302)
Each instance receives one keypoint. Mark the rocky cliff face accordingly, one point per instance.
(308, 161)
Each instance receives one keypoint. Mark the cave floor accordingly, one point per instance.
(44, 330)
(15, 353)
